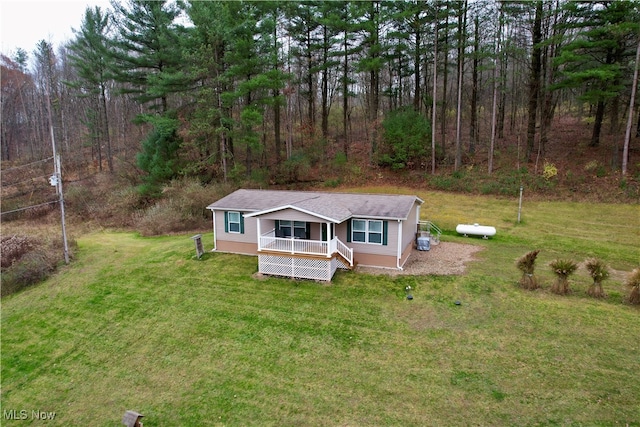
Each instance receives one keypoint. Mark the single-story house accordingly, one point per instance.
(310, 234)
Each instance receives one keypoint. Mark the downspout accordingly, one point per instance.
(215, 236)
(399, 244)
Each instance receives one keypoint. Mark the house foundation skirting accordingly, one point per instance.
(314, 268)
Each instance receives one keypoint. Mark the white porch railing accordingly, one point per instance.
(344, 250)
(269, 242)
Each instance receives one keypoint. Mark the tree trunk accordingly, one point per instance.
(311, 114)
(462, 23)
(345, 95)
(473, 126)
(534, 80)
(632, 101)
(434, 96)
(502, 104)
(276, 126)
(416, 62)
(548, 106)
(597, 125)
(325, 83)
(105, 121)
(495, 94)
(443, 110)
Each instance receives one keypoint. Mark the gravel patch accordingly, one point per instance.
(446, 258)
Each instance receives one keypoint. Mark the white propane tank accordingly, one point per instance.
(476, 230)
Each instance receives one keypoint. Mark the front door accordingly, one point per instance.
(324, 232)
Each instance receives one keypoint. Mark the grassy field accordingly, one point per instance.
(139, 323)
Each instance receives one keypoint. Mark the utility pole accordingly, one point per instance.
(56, 179)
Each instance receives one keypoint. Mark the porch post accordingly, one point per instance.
(329, 239)
(259, 234)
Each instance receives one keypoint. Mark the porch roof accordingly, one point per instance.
(334, 207)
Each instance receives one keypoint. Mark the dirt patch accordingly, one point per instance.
(446, 258)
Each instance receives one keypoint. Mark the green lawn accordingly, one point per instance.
(138, 323)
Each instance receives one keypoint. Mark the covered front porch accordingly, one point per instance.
(294, 237)
(301, 249)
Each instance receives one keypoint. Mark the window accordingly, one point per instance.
(359, 230)
(293, 228)
(375, 232)
(234, 222)
(368, 231)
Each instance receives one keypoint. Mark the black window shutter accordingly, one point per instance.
(385, 232)
(226, 221)
(349, 231)
(241, 223)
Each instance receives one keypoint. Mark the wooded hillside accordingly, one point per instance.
(270, 91)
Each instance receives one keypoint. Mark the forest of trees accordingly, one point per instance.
(239, 89)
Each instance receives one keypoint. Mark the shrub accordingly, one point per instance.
(183, 207)
(12, 248)
(633, 285)
(599, 272)
(562, 268)
(161, 218)
(33, 267)
(405, 139)
(333, 182)
(549, 171)
(527, 264)
(159, 155)
(296, 167)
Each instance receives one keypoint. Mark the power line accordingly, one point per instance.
(29, 207)
(27, 164)
(4, 185)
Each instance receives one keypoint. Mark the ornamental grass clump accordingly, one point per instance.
(633, 284)
(599, 272)
(562, 268)
(527, 264)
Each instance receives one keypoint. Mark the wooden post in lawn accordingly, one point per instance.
(520, 205)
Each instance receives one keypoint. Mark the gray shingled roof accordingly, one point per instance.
(336, 207)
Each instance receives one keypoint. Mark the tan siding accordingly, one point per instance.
(249, 235)
(237, 247)
(405, 255)
(391, 248)
(409, 228)
(372, 260)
